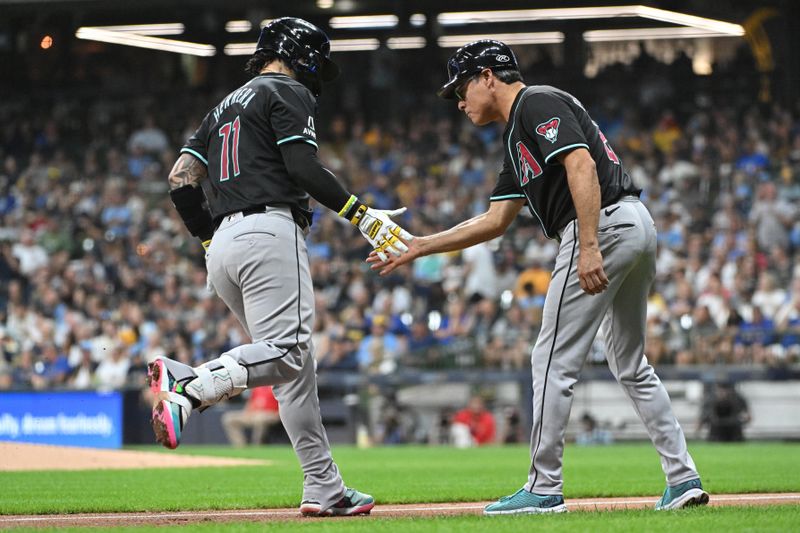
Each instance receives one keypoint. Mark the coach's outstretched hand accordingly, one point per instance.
(383, 233)
(388, 265)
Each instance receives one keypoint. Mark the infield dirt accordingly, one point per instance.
(380, 511)
(31, 457)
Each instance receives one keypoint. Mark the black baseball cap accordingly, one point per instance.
(304, 47)
(472, 58)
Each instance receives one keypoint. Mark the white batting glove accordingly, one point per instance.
(381, 231)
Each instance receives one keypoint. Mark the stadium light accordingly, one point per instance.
(405, 43)
(145, 41)
(545, 37)
(171, 28)
(363, 22)
(576, 13)
(691, 21)
(239, 49)
(647, 34)
(522, 15)
(238, 26)
(337, 45)
(354, 45)
(417, 19)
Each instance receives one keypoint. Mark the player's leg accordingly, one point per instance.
(558, 355)
(570, 322)
(253, 266)
(278, 296)
(300, 414)
(258, 275)
(255, 277)
(624, 328)
(297, 397)
(168, 378)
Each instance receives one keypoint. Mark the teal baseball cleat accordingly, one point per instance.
(524, 502)
(171, 408)
(686, 494)
(352, 503)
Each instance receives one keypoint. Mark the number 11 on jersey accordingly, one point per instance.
(229, 146)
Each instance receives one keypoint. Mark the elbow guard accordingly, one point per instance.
(188, 200)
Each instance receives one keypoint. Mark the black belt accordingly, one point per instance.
(559, 233)
(298, 218)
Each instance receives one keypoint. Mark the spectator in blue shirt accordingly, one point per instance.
(378, 351)
(53, 369)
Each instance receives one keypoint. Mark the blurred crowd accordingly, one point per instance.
(98, 275)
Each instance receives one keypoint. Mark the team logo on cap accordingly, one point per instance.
(549, 129)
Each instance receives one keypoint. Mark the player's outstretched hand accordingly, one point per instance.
(388, 265)
(383, 233)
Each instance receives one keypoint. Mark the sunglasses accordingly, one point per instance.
(461, 90)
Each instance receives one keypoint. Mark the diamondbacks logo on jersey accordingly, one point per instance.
(529, 168)
(309, 129)
(549, 129)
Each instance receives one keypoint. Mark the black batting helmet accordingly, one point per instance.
(472, 58)
(304, 47)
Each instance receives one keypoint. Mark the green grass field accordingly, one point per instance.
(427, 474)
(753, 519)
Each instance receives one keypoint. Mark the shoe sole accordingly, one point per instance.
(313, 510)
(163, 419)
(531, 510)
(690, 498)
(155, 373)
(164, 424)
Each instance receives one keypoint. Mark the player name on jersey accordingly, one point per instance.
(243, 96)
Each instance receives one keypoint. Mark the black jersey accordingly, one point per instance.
(544, 122)
(239, 141)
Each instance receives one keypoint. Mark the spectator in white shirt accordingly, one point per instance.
(112, 373)
(769, 297)
(31, 256)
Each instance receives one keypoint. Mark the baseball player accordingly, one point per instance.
(256, 155)
(559, 164)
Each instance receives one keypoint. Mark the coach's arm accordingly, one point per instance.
(481, 228)
(584, 186)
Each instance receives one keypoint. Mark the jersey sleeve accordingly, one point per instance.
(553, 124)
(292, 115)
(506, 187)
(197, 145)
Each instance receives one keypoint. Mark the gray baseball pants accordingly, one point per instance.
(258, 265)
(571, 318)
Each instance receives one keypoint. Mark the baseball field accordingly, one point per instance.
(754, 487)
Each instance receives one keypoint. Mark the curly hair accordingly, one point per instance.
(259, 60)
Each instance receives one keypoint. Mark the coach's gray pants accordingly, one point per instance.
(258, 265)
(571, 318)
